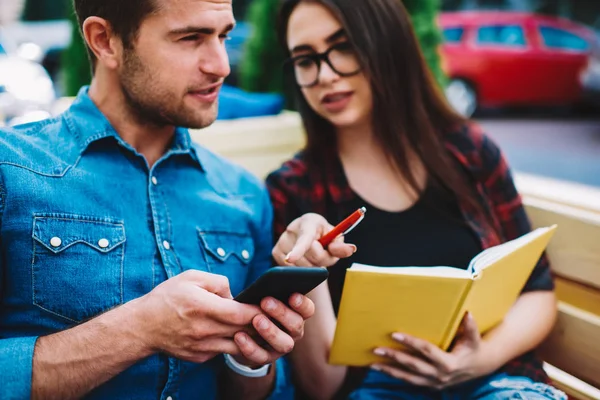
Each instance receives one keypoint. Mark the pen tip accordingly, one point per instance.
(363, 209)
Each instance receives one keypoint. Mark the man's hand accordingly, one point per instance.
(279, 341)
(192, 317)
(424, 364)
(299, 244)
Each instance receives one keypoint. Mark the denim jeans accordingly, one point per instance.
(494, 387)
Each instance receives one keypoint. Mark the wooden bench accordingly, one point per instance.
(572, 351)
(573, 348)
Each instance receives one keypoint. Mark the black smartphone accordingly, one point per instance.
(282, 282)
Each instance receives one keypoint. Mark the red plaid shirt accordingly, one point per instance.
(297, 189)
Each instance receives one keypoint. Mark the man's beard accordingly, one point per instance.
(152, 104)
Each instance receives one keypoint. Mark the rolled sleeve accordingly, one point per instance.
(16, 367)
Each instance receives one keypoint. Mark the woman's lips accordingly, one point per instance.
(336, 102)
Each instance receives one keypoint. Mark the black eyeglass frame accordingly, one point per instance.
(318, 58)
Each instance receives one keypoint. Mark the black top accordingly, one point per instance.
(431, 233)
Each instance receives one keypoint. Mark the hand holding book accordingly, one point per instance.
(425, 364)
(429, 303)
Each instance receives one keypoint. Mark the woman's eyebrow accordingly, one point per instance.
(340, 33)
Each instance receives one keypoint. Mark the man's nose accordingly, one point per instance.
(215, 61)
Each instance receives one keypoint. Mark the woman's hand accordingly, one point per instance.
(299, 244)
(424, 364)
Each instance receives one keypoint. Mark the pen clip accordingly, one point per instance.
(354, 226)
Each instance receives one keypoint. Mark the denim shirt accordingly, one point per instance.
(85, 226)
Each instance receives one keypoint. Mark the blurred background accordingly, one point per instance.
(527, 70)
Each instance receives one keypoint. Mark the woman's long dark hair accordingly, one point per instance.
(408, 107)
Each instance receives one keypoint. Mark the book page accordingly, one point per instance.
(442, 272)
(493, 254)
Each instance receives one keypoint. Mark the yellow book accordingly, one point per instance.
(430, 302)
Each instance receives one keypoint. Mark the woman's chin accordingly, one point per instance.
(346, 119)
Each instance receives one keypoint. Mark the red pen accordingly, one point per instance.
(344, 227)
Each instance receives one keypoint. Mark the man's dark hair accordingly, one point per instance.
(125, 16)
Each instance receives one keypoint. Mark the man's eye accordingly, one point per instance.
(224, 37)
(191, 38)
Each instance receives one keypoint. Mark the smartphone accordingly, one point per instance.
(282, 282)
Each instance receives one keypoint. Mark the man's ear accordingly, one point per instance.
(102, 41)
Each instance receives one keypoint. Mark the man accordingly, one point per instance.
(122, 242)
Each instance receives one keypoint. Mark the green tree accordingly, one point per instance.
(424, 14)
(75, 62)
(261, 71)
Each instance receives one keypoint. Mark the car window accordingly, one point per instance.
(503, 35)
(557, 38)
(453, 35)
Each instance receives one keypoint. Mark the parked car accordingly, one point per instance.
(497, 58)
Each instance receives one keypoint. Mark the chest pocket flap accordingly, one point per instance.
(60, 233)
(226, 245)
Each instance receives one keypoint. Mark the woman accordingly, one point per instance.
(380, 135)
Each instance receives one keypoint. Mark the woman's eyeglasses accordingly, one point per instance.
(340, 57)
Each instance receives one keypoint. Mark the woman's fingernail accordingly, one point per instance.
(398, 337)
(287, 258)
(376, 367)
(379, 352)
(354, 248)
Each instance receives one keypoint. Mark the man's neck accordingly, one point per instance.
(150, 140)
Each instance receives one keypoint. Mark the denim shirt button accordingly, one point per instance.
(169, 398)
(155, 182)
(245, 254)
(103, 243)
(221, 252)
(166, 245)
(55, 242)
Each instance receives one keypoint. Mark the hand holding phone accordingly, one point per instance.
(282, 282)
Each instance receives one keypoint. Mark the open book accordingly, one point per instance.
(430, 302)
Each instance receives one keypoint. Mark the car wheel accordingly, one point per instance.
(462, 97)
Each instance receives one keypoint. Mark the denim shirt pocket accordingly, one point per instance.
(228, 253)
(77, 265)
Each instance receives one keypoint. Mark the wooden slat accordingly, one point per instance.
(578, 295)
(577, 195)
(575, 388)
(575, 249)
(574, 345)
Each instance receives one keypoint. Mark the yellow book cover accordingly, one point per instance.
(430, 302)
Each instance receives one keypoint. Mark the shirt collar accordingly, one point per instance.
(88, 124)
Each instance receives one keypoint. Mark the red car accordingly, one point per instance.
(498, 58)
